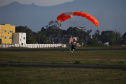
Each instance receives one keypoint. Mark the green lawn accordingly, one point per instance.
(10, 75)
(99, 57)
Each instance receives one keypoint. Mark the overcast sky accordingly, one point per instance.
(37, 2)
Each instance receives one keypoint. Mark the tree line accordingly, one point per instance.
(53, 30)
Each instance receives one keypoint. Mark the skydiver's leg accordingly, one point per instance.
(72, 50)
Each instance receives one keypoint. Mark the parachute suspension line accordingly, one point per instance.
(72, 22)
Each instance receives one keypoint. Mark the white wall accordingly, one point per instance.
(19, 38)
(22, 38)
(34, 45)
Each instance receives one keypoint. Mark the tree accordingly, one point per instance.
(74, 31)
(54, 23)
(30, 38)
(92, 42)
(53, 29)
(96, 35)
(123, 42)
(41, 37)
(43, 29)
(124, 36)
(113, 37)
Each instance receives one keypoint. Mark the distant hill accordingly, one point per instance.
(110, 15)
(31, 15)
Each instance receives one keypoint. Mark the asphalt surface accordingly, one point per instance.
(57, 49)
(43, 65)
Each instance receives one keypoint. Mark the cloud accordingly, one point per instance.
(37, 2)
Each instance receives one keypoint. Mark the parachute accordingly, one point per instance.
(68, 15)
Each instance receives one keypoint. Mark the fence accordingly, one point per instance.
(33, 45)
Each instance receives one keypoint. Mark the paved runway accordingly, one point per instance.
(43, 65)
(57, 49)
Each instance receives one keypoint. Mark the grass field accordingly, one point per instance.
(99, 57)
(10, 75)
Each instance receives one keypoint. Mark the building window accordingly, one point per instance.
(10, 37)
(11, 31)
(5, 37)
(5, 30)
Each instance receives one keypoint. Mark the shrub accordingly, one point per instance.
(77, 62)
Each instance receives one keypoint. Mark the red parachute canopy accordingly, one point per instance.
(67, 15)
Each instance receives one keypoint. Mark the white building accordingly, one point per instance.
(106, 44)
(19, 38)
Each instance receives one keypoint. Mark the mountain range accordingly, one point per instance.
(111, 15)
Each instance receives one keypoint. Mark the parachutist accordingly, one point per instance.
(72, 43)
